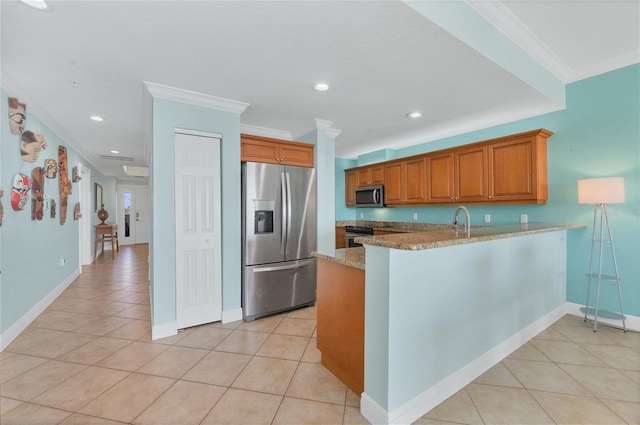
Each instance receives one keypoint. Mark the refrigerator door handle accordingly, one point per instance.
(297, 265)
(285, 213)
(289, 212)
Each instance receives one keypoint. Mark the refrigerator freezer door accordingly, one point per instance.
(263, 230)
(301, 208)
(278, 287)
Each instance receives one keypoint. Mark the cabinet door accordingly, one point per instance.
(471, 175)
(415, 181)
(296, 154)
(371, 175)
(350, 184)
(512, 173)
(440, 184)
(364, 176)
(394, 184)
(340, 234)
(256, 150)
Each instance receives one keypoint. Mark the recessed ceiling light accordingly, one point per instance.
(321, 87)
(414, 114)
(38, 4)
(97, 118)
(115, 151)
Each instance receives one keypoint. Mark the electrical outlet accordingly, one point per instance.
(524, 218)
(62, 261)
(361, 215)
(415, 216)
(487, 218)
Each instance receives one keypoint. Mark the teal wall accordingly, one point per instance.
(325, 184)
(31, 250)
(167, 116)
(597, 135)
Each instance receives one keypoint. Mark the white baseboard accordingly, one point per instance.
(164, 330)
(427, 400)
(229, 316)
(22, 323)
(632, 322)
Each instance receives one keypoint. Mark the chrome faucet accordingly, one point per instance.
(467, 219)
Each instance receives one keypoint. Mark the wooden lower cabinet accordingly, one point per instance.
(340, 234)
(340, 318)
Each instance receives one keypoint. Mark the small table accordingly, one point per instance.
(107, 232)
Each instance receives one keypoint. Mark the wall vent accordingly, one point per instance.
(117, 158)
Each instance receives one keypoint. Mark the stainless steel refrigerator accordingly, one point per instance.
(278, 235)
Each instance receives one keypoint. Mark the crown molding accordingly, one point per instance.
(265, 132)
(323, 124)
(629, 58)
(500, 17)
(194, 98)
(326, 127)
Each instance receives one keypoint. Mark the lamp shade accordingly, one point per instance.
(608, 190)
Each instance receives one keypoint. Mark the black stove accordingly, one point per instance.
(361, 230)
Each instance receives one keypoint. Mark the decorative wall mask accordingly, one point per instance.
(30, 146)
(63, 182)
(43, 143)
(50, 168)
(37, 197)
(75, 175)
(76, 212)
(17, 115)
(20, 192)
(1, 208)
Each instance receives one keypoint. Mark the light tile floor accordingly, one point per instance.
(89, 359)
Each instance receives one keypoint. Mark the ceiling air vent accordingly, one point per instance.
(117, 158)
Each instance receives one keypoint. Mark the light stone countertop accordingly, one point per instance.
(353, 257)
(441, 236)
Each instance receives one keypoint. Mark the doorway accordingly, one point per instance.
(133, 214)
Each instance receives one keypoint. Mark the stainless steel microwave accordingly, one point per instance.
(370, 196)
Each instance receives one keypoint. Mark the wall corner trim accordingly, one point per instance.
(194, 98)
(164, 330)
(23, 322)
(231, 315)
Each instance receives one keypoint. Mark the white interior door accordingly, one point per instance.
(198, 229)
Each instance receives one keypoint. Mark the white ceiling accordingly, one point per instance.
(382, 59)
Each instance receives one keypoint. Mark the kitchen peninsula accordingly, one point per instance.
(441, 308)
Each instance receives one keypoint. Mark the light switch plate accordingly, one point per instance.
(415, 216)
(487, 218)
(524, 218)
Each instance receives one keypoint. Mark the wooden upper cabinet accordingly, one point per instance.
(351, 182)
(440, 178)
(471, 177)
(371, 175)
(405, 182)
(518, 169)
(457, 176)
(506, 170)
(275, 151)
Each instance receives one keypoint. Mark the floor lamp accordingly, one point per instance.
(601, 192)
